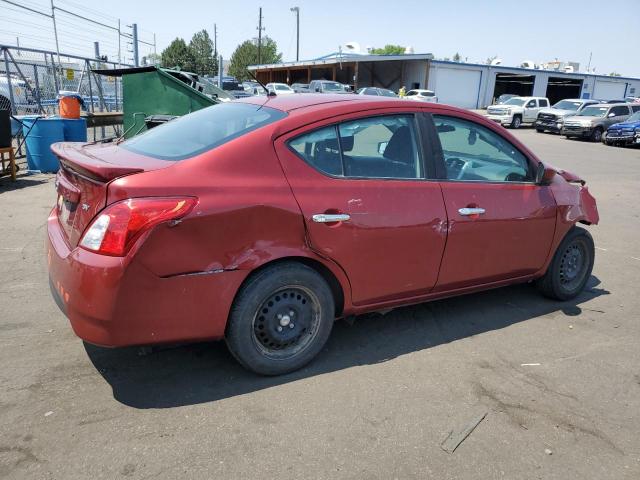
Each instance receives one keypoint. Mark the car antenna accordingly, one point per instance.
(269, 92)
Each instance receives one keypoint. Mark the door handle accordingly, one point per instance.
(331, 218)
(470, 211)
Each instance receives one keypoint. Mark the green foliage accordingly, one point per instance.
(247, 54)
(614, 74)
(178, 54)
(201, 47)
(389, 50)
(457, 57)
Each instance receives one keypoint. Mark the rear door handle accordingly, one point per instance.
(470, 211)
(331, 218)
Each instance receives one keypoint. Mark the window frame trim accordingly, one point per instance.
(441, 168)
(420, 145)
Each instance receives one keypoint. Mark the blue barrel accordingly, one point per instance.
(40, 133)
(75, 130)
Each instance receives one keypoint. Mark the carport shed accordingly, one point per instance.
(386, 71)
(466, 85)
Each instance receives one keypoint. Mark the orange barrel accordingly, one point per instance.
(69, 107)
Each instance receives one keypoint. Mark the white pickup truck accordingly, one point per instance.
(517, 110)
(19, 88)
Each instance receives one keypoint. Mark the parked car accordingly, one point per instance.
(625, 133)
(326, 86)
(21, 94)
(552, 118)
(382, 92)
(517, 110)
(280, 88)
(233, 87)
(504, 97)
(594, 120)
(420, 95)
(300, 87)
(261, 221)
(201, 84)
(253, 88)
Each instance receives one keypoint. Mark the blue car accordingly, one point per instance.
(624, 133)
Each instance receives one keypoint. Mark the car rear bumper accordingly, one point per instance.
(114, 301)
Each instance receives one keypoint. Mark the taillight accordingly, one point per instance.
(117, 228)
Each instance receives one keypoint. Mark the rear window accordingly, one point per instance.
(202, 130)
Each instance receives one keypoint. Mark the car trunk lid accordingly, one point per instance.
(83, 178)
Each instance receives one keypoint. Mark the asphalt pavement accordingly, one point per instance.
(552, 388)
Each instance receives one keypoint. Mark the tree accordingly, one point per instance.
(247, 54)
(201, 47)
(178, 54)
(389, 49)
(457, 57)
(154, 59)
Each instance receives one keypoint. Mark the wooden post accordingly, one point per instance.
(309, 74)
(334, 73)
(355, 76)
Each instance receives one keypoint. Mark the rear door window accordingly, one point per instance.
(543, 102)
(620, 111)
(371, 147)
(202, 130)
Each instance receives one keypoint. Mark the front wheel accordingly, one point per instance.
(281, 319)
(516, 122)
(571, 266)
(540, 130)
(596, 135)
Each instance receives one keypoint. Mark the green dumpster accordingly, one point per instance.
(157, 91)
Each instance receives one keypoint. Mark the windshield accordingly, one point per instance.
(411, 93)
(332, 87)
(594, 112)
(567, 105)
(515, 101)
(202, 130)
(282, 87)
(634, 118)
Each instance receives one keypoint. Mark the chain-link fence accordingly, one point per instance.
(31, 81)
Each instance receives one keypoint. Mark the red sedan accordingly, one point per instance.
(262, 221)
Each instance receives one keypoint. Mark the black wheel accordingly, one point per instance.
(571, 266)
(516, 122)
(281, 319)
(596, 135)
(540, 130)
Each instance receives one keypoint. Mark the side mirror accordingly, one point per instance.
(611, 115)
(544, 174)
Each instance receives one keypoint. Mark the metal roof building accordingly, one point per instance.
(467, 85)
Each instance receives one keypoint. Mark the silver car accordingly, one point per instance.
(594, 120)
(552, 118)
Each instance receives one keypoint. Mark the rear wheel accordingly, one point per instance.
(281, 319)
(516, 122)
(596, 135)
(571, 266)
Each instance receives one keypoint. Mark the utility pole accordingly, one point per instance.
(215, 40)
(297, 12)
(260, 37)
(589, 65)
(135, 44)
(55, 30)
(119, 48)
(154, 45)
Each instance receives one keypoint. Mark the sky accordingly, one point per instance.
(540, 31)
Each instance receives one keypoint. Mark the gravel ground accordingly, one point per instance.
(559, 382)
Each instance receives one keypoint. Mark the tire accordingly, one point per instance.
(260, 334)
(540, 130)
(516, 122)
(569, 271)
(596, 135)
